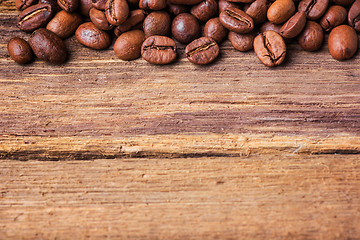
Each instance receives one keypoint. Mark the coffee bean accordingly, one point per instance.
(68, 5)
(224, 4)
(205, 10)
(89, 35)
(135, 17)
(23, 4)
(267, 26)
(294, 25)
(185, 28)
(64, 24)
(99, 4)
(280, 11)
(343, 42)
(158, 50)
(257, 10)
(116, 11)
(334, 16)
(99, 19)
(128, 45)
(202, 51)
(48, 46)
(215, 30)
(311, 38)
(241, 1)
(354, 15)
(242, 42)
(157, 23)
(270, 48)
(152, 4)
(84, 7)
(19, 50)
(343, 3)
(313, 9)
(176, 9)
(54, 5)
(184, 2)
(34, 17)
(236, 20)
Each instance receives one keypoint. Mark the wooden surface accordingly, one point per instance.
(233, 150)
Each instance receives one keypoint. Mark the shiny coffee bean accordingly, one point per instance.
(334, 16)
(157, 23)
(224, 4)
(242, 42)
(184, 2)
(313, 9)
(343, 3)
(68, 5)
(152, 4)
(269, 26)
(236, 20)
(311, 38)
(116, 11)
(84, 7)
(128, 46)
(205, 10)
(343, 42)
(280, 11)
(257, 10)
(99, 19)
(294, 25)
(176, 9)
(185, 28)
(23, 4)
(34, 17)
(135, 17)
(202, 51)
(19, 50)
(158, 50)
(215, 30)
(64, 24)
(48, 46)
(270, 48)
(99, 4)
(354, 15)
(54, 5)
(89, 35)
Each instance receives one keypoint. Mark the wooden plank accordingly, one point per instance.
(262, 197)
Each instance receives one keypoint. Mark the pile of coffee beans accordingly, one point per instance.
(145, 27)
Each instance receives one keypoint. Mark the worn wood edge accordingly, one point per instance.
(172, 146)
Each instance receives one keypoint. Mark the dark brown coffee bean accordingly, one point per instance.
(294, 25)
(157, 23)
(280, 11)
(152, 4)
(270, 48)
(48, 46)
(257, 10)
(269, 26)
(158, 50)
(23, 4)
(116, 11)
(202, 51)
(92, 37)
(343, 42)
(334, 16)
(354, 15)
(242, 42)
(184, 2)
(99, 19)
(224, 4)
(185, 28)
(236, 20)
(64, 24)
(69, 5)
(128, 45)
(84, 7)
(343, 3)
(313, 9)
(205, 10)
(99, 4)
(215, 30)
(54, 5)
(135, 17)
(176, 9)
(34, 17)
(311, 38)
(19, 50)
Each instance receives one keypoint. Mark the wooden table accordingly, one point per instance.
(101, 148)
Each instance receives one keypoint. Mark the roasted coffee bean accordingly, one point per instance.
(84, 7)
(270, 48)
(334, 16)
(176, 9)
(343, 2)
(224, 4)
(184, 2)
(99, 4)
(99, 19)
(135, 17)
(313, 9)
(343, 42)
(152, 4)
(19, 50)
(48, 46)
(158, 50)
(185, 28)
(128, 45)
(34, 17)
(64, 24)
(54, 5)
(354, 15)
(280, 11)
(92, 37)
(311, 38)
(157, 23)
(23, 4)
(215, 30)
(68, 5)
(202, 51)
(236, 20)
(116, 11)
(294, 25)
(257, 10)
(242, 42)
(269, 26)
(205, 10)
(241, 1)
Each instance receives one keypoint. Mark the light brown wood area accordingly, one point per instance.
(233, 150)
